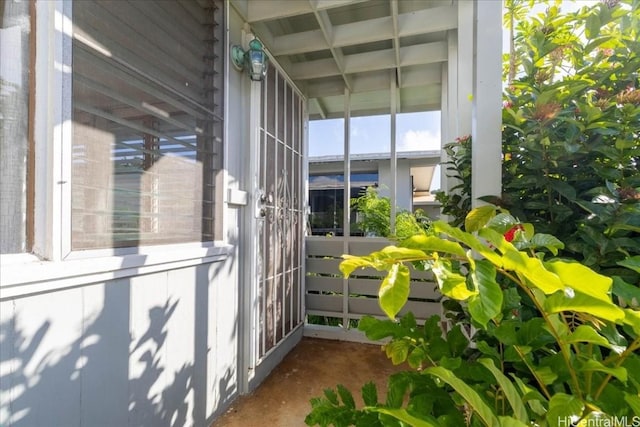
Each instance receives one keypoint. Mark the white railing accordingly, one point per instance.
(334, 303)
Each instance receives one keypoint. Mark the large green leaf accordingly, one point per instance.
(587, 333)
(531, 396)
(451, 284)
(472, 398)
(563, 407)
(509, 390)
(633, 263)
(487, 304)
(534, 271)
(582, 278)
(497, 240)
(397, 388)
(405, 417)
(433, 244)
(351, 263)
(394, 290)
(594, 365)
(573, 300)
(632, 318)
(399, 253)
(468, 239)
(546, 374)
(548, 241)
(376, 329)
(380, 260)
(397, 351)
(485, 348)
(479, 217)
(502, 222)
(457, 341)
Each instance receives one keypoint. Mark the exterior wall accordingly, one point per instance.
(125, 352)
(404, 194)
(138, 339)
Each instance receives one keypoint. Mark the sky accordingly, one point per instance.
(414, 131)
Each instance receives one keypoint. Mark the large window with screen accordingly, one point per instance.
(147, 122)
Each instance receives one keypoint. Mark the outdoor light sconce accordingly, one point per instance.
(254, 60)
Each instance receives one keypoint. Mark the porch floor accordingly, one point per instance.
(282, 400)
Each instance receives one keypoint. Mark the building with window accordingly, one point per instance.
(153, 196)
(414, 183)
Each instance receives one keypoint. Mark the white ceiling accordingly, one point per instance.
(363, 46)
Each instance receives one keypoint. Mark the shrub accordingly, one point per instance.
(457, 202)
(375, 213)
(570, 139)
(551, 347)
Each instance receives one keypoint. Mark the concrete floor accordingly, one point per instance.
(282, 400)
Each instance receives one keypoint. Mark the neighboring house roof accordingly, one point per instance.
(422, 166)
(431, 155)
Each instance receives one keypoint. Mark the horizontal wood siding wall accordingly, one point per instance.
(325, 286)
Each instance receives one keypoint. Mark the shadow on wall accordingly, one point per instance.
(225, 345)
(104, 378)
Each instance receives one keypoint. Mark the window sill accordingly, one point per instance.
(25, 274)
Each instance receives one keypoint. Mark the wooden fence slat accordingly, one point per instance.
(323, 266)
(324, 284)
(324, 303)
(365, 246)
(363, 284)
(324, 247)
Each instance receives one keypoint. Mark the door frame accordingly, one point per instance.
(253, 369)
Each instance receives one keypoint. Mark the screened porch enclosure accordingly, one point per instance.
(422, 56)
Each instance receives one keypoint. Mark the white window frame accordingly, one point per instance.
(53, 263)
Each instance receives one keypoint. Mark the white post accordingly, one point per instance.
(346, 221)
(457, 85)
(486, 162)
(394, 155)
(464, 63)
(445, 114)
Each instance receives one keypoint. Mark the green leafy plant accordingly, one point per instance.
(375, 213)
(551, 346)
(457, 202)
(570, 140)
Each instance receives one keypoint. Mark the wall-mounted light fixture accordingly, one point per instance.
(253, 59)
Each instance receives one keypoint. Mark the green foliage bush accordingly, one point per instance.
(457, 202)
(375, 213)
(571, 142)
(557, 325)
(551, 346)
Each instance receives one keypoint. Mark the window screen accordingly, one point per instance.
(15, 30)
(147, 121)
